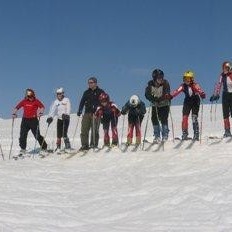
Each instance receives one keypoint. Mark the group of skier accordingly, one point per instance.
(97, 108)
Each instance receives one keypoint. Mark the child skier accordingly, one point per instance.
(225, 81)
(136, 110)
(192, 92)
(155, 92)
(108, 114)
(62, 108)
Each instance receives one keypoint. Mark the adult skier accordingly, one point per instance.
(136, 110)
(225, 82)
(62, 108)
(193, 92)
(33, 109)
(108, 114)
(89, 100)
(155, 92)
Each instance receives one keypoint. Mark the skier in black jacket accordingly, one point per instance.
(136, 110)
(89, 100)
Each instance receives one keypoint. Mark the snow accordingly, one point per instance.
(171, 190)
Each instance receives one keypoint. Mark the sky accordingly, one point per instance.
(47, 44)
(170, 190)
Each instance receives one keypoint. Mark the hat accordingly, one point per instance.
(94, 79)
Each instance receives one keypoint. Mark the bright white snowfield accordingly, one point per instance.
(171, 190)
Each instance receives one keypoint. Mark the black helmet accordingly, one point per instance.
(157, 73)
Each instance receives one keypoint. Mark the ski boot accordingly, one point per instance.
(157, 140)
(165, 132)
(227, 133)
(21, 154)
(184, 135)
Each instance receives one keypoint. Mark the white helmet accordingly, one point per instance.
(134, 100)
(60, 90)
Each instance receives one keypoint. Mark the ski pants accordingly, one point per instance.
(32, 124)
(190, 104)
(227, 108)
(62, 132)
(160, 114)
(89, 122)
(134, 123)
(107, 123)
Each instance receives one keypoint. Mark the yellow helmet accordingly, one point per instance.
(188, 76)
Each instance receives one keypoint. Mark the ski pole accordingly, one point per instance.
(215, 112)
(123, 122)
(45, 135)
(116, 127)
(211, 112)
(93, 131)
(173, 134)
(75, 131)
(138, 128)
(36, 137)
(12, 138)
(201, 123)
(2, 152)
(145, 132)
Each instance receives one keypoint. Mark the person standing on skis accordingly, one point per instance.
(108, 114)
(193, 92)
(136, 110)
(33, 109)
(89, 100)
(62, 108)
(225, 82)
(155, 92)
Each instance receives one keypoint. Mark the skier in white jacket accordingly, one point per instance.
(62, 108)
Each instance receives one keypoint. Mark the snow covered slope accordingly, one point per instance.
(184, 189)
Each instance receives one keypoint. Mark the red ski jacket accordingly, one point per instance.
(30, 107)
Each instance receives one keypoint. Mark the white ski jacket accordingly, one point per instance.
(60, 107)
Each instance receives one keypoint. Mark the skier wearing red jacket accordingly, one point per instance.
(108, 113)
(32, 110)
(225, 83)
(192, 92)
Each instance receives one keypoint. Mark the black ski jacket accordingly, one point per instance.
(90, 100)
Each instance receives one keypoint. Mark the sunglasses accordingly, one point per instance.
(91, 82)
(29, 96)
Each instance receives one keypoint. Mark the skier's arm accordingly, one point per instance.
(17, 107)
(218, 86)
(197, 88)
(98, 113)
(41, 107)
(115, 110)
(177, 91)
(125, 108)
(148, 94)
(143, 108)
(81, 105)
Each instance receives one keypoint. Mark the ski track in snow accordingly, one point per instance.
(171, 190)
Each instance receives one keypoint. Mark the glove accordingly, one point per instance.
(123, 112)
(79, 113)
(14, 115)
(203, 95)
(214, 98)
(49, 120)
(65, 117)
(168, 96)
